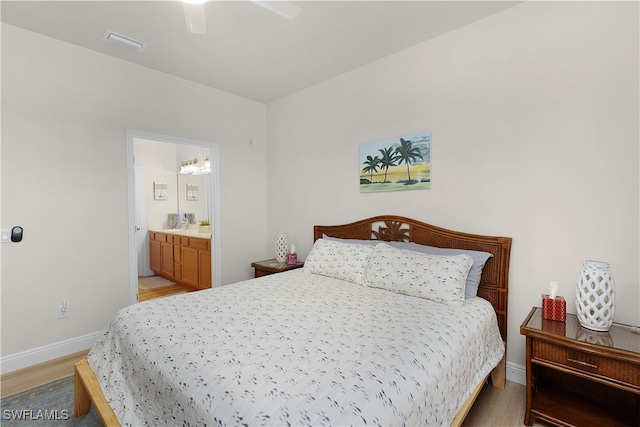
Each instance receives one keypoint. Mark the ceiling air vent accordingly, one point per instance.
(123, 41)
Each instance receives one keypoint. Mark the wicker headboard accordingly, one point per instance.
(494, 283)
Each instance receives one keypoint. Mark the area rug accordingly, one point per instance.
(48, 405)
(153, 282)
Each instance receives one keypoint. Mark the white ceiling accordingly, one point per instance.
(248, 50)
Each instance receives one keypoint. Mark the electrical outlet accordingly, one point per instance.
(63, 309)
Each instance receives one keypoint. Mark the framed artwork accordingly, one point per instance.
(396, 164)
(160, 190)
(192, 191)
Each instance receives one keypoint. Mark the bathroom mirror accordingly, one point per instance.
(184, 193)
(193, 197)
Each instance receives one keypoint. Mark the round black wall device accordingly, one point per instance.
(16, 234)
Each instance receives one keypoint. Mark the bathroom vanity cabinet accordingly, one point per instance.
(181, 257)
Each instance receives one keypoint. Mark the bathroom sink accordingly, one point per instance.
(183, 232)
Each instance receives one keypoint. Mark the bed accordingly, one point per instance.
(358, 336)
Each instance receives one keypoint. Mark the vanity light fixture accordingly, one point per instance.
(123, 41)
(190, 167)
(207, 166)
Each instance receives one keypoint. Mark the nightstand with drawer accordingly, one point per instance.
(271, 266)
(579, 377)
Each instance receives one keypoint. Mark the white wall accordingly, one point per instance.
(534, 121)
(65, 111)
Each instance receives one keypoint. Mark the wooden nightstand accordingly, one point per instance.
(271, 266)
(579, 377)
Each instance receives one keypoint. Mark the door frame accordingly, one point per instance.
(213, 201)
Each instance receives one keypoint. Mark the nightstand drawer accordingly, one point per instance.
(609, 370)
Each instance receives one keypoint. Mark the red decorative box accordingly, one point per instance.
(292, 259)
(554, 309)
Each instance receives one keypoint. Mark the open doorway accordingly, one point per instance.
(158, 165)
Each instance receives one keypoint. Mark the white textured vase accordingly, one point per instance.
(282, 247)
(595, 296)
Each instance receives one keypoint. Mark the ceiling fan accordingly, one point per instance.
(197, 23)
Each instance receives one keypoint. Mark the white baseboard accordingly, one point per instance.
(516, 373)
(27, 358)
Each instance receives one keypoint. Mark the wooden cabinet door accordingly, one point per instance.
(155, 260)
(177, 263)
(205, 269)
(166, 252)
(190, 266)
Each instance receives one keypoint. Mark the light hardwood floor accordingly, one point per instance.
(500, 408)
(165, 291)
(495, 407)
(34, 376)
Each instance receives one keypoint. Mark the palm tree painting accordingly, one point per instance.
(396, 164)
(371, 165)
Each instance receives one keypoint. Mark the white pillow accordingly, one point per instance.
(475, 273)
(439, 278)
(345, 261)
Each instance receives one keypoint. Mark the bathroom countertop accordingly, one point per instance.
(182, 232)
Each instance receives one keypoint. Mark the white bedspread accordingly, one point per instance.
(294, 349)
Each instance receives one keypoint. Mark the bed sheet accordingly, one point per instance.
(294, 348)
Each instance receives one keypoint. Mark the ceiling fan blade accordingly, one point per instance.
(195, 17)
(282, 8)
